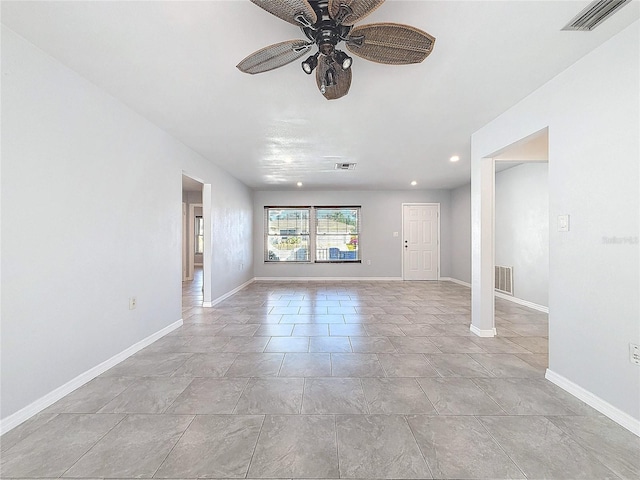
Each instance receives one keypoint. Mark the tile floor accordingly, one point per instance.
(328, 380)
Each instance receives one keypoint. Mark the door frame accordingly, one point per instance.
(207, 212)
(438, 236)
(185, 266)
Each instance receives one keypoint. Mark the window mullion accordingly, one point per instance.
(312, 235)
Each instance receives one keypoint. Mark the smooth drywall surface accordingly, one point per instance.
(91, 215)
(522, 229)
(591, 110)
(191, 197)
(461, 233)
(232, 236)
(381, 216)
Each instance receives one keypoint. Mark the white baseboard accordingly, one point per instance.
(328, 279)
(510, 298)
(213, 303)
(455, 280)
(624, 419)
(52, 397)
(525, 303)
(483, 333)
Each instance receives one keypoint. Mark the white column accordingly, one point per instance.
(482, 247)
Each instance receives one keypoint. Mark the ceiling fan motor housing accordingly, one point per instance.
(326, 32)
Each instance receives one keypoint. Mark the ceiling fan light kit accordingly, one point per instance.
(326, 23)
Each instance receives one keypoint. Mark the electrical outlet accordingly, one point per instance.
(395, 234)
(634, 353)
(133, 303)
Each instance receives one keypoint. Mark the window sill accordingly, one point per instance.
(338, 261)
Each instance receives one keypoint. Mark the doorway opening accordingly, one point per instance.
(523, 231)
(521, 245)
(196, 235)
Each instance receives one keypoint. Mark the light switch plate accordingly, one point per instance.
(563, 223)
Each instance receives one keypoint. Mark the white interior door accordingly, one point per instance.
(420, 241)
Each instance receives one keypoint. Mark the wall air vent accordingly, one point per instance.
(504, 279)
(594, 14)
(345, 166)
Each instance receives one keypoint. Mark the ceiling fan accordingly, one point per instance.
(326, 23)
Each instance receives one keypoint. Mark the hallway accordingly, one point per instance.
(192, 295)
(328, 380)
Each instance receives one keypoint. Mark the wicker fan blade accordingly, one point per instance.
(332, 78)
(390, 43)
(274, 56)
(359, 9)
(288, 10)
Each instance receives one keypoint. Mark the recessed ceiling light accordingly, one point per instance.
(299, 184)
(414, 183)
(455, 158)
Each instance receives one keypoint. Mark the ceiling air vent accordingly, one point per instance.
(345, 166)
(594, 14)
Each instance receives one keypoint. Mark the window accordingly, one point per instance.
(287, 234)
(199, 235)
(337, 234)
(312, 234)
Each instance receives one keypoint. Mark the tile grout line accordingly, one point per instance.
(4, 452)
(255, 446)
(168, 407)
(98, 441)
(172, 448)
(472, 379)
(418, 445)
(432, 366)
(366, 402)
(477, 418)
(577, 440)
(235, 407)
(427, 397)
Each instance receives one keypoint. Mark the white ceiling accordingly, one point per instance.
(174, 63)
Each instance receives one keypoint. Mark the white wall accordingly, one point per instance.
(522, 229)
(381, 216)
(461, 233)
(591, 110)
(232, 235)
(192, 197)
(91, 215)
